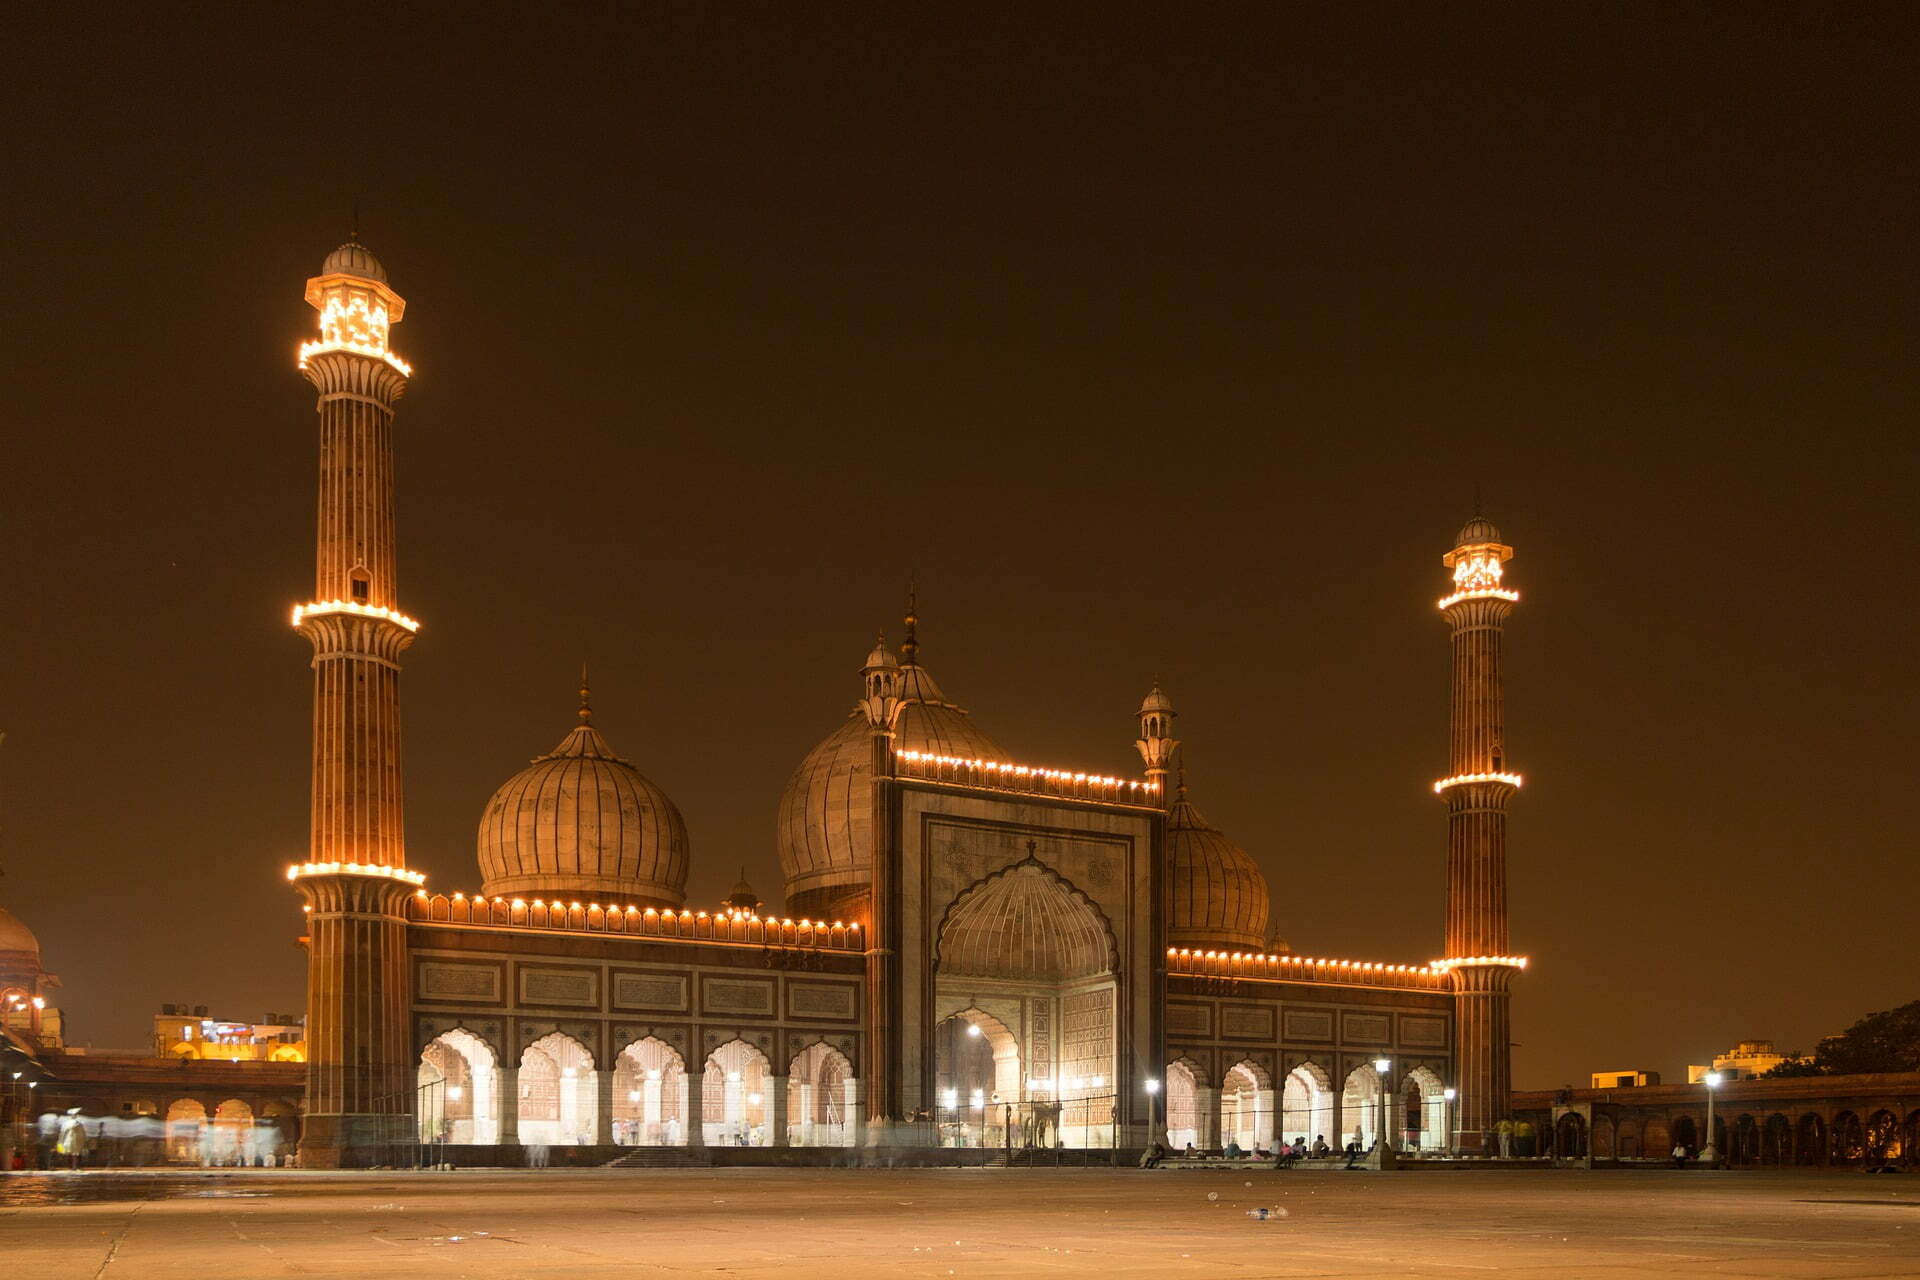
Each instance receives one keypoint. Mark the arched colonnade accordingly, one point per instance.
(558, 1095)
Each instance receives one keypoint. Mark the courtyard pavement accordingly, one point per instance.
(831, 1223)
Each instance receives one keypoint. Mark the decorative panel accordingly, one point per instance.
(1425, 1033)
(820, 1000)
(1246, 1022)
(1189, 1020)
(650, 991)
(559, 986)
(1308, 1024)
(1363, 1028)
(439, 980)
(736, 995)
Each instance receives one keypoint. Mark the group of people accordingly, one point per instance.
(1287, 1153)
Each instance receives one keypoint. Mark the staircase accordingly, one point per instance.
(662, 1158)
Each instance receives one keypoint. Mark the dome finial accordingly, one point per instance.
(586, 695)
(910, 647)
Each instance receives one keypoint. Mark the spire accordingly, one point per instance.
(586, 695)
(910, 647)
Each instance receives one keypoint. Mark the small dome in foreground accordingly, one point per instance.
(354, 259)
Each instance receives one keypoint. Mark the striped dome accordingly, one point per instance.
(1216, 896)
(354, 259)
(581, 823)
(826, 813)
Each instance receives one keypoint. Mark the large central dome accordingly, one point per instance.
(1216, 896)
(581, 823)
(826, 814)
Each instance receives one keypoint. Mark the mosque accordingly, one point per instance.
(976, 952)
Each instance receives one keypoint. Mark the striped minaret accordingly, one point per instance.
(359, 1094)
(1476, 791)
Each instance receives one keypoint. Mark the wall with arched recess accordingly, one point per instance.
(1072, 881)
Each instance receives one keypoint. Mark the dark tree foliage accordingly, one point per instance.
(1884, 1041)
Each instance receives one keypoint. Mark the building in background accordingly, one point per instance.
(186, 1031)
(27, 1011)
(1747, 1060)
(1625, 1079)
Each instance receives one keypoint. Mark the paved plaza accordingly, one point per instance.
(951, 1222)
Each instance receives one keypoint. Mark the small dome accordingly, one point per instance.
(354, 259)
(580, 822)
(826, 813)
(742, 897)
(15, 936)
(1477, 530)
(1216, 896)
(1156, 701)
(880, 657)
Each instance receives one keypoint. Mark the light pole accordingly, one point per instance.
(1382, 1156)
(1709, 1155)
(1446, 1114)
(1153, 1090)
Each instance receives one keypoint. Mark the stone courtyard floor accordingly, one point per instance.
(828, 1223)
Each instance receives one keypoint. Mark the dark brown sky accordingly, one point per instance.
(1158, 342)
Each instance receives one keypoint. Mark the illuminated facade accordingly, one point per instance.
(977, 952)
(182, 1031)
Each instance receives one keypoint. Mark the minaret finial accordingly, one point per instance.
(1477, 513)
(910, 647)
(586, 695)
(353, 232)
(1180, 783)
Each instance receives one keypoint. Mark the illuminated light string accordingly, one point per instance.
(737, 917)
(1480, 593)
(1463, 779)
(1510, 962)
(301, 869)
(1026, 771)
(322, 608)
(1357, 966)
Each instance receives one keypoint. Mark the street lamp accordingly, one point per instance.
(1708, 1155)
(1449, 1094)
(1153, 1091)
(1381, 1067)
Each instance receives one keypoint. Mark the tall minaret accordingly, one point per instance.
(1476, 790)
(355, 879)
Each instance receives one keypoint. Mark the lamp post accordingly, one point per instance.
(1446, 1113)
(1709, 1156)
(1153, 1090)
(1382, 1156)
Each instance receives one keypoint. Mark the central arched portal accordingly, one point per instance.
(1023, 1042)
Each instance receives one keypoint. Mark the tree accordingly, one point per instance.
(1884, 1041)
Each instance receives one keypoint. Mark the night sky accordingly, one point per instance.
(1154, 342)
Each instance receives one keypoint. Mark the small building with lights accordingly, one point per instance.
(976, 952)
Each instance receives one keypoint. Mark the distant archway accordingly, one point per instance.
(186, 1127)
(1246, 1107)
(1570, 1137)
(823, 1098)
(1686, 1135)
(1810, 1140)
(458, 1098)
(1883, 1138)
(1183, 1105)
(734, 1110)
(1426, 1111)
(559, 1101)
(1306, 1106)
(1776, 1140)
(649, 1095)
(1849, 1139)
(1360, 1107)
(233, 1142)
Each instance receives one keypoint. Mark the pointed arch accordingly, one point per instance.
(735, 1110)
(822, 1098)
(649, 1095)
(1025, 921)
(1247, 1106)
(459, 1092)
(559, 1099)
(1306, 1105)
